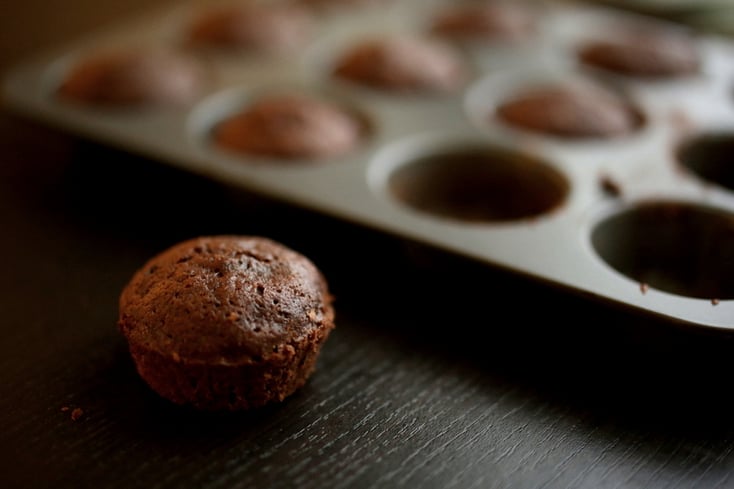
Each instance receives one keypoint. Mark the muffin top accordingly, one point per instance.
(291, 125)
(571, 111)
(402, 64)
(253, 27)
(226, 300)
(345, 4)
(652, 53)
(133, 77)
(485, 21)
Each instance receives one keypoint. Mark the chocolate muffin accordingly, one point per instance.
(488, 21)
(291, 126)
(252, 27)
(402, 64)
(652, 53)
(344, 4)
(226, 322)
(570, 111)
(133, 77)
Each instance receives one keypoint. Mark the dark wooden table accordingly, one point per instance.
(442, 373)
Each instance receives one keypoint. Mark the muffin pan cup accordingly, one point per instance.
(624, 220)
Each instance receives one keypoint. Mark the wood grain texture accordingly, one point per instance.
(441, 373)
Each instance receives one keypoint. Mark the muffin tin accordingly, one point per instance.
(645, 220)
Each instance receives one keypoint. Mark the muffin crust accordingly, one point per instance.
(226, 322)
(133, 77)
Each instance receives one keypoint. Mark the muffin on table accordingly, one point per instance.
(226, 322)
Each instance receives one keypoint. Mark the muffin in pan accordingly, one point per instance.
(226, 322)
(133, 76)
(486, 21)
(252, 27)
(570, 111)
(291, 125)
(653, 53)
(402, 64)
(345, 4)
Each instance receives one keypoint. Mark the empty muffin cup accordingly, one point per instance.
(674, 246)
(479, 184)
(709, 156)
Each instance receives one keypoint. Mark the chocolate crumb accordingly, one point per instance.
(76, 414)
(715, 301)
(609, 186)
(644, 287)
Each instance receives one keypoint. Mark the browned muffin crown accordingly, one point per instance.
(570, 111)
(334, 4)
(291, 126)
(646, 54)
(133, 77)
(226, 322)
(264, 28)
(403, 64)
(486, 21)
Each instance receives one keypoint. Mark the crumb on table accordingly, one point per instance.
(76, 413)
